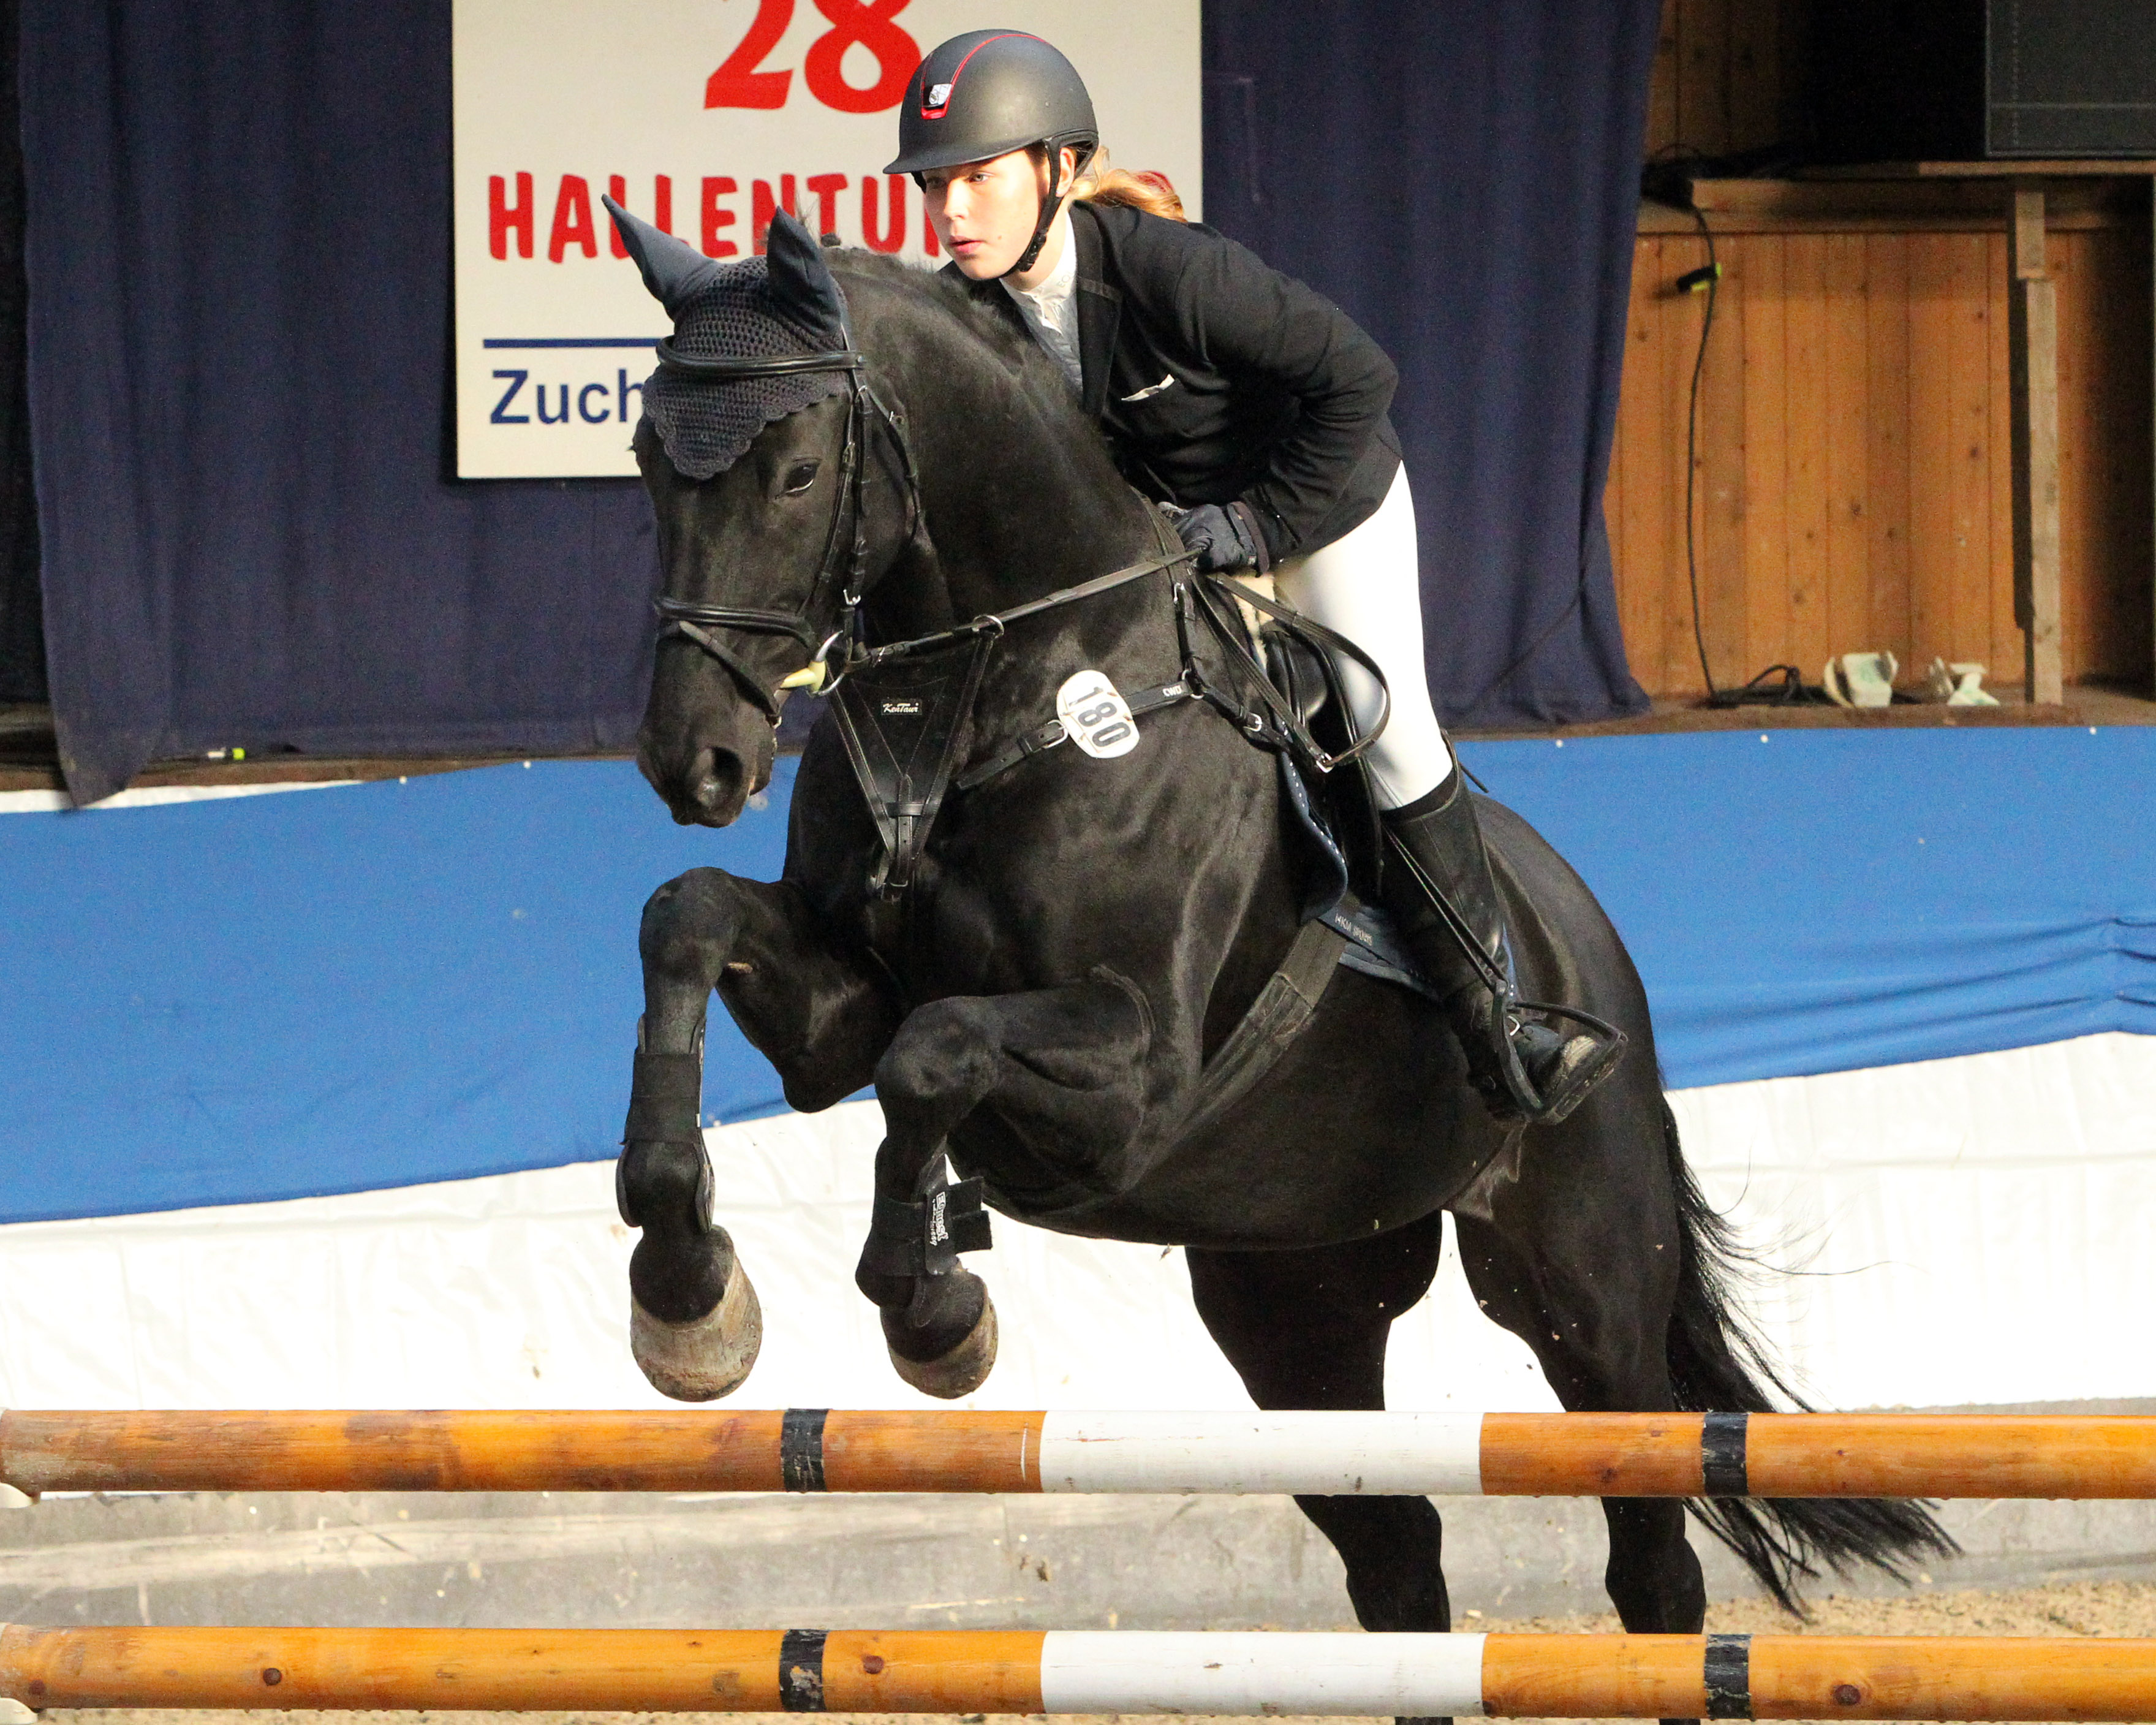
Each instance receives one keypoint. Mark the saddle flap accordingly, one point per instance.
(1294, 668)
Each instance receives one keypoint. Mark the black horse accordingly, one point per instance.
(1042, 976)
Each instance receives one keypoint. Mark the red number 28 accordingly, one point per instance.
(737, 84)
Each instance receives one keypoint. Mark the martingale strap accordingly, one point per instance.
(1044, 737)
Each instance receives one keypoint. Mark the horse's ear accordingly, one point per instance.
(672, 269)
(801, 282)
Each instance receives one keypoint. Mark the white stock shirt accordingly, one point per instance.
(1050, 310)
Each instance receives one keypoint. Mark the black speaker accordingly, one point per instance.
(1964, 79)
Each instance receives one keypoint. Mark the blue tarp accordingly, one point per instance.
(335, 991)
(1822, 901)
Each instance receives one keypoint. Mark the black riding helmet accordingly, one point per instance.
(988, 93)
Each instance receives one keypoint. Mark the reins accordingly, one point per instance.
(692, 621)
(1272, 723)
(904, 795)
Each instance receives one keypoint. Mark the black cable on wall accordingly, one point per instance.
(1708, 279)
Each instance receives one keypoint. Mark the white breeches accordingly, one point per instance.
(1367, 586)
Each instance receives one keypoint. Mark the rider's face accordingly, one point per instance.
(984, 211)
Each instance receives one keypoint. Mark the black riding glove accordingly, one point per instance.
(1224, 536)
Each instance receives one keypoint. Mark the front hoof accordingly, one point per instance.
(707, 1357)
(962, 1370)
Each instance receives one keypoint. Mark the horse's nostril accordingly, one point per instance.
(715, 781)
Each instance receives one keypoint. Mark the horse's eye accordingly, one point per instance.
(800, 476)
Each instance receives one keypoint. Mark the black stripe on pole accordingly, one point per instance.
(1728, 1676)
(1722, 1455)
(801, 1671)
(800, 1449)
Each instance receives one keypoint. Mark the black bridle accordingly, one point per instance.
(816, 625)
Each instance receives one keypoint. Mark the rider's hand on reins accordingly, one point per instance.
(1224, 537)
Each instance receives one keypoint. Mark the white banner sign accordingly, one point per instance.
(704, 117)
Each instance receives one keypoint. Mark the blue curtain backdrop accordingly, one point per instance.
(1463, 177)
(21, 631)
(238, 258)
(238, 247)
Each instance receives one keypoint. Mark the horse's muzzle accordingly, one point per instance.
(710, 787)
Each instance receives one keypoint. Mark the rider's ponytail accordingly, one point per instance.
(1141, 188)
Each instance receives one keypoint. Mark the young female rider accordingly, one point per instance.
(1256, 409)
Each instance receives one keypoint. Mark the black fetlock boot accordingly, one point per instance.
(1522, 1069)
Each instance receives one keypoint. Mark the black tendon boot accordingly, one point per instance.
(1436, 850)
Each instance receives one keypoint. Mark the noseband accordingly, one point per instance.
(817, 631)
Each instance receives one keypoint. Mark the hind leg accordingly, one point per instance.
(1580, 1257)
(1307, 1329)
(1604, 1258)
(1598, 1325)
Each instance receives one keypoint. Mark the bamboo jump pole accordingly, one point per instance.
(815, 1449)
(1059, 1671)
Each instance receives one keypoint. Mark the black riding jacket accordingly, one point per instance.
(1216, 378)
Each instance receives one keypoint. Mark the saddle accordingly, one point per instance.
(1335, 813)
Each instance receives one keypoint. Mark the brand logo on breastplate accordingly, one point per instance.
(899, 709)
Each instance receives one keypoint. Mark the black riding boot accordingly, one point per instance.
(1437, 848)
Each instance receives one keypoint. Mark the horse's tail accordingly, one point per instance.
(1717, 1363)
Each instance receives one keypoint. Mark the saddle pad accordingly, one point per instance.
(1373, 945)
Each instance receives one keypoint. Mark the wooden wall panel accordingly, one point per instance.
(2104, 448)
(1886, 480)
(1728, 75)
(1844, 299)
(1759, 309)
(2008, 642)
(1722, 495)
(1853, 480)
(1852, 483)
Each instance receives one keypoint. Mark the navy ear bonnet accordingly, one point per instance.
(784, 303)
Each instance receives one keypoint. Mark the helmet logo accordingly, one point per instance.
(939, 95)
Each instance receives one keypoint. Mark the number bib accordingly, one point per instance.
(1095, 717)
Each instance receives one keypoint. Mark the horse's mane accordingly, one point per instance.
(1031, 370)
(955, 348)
